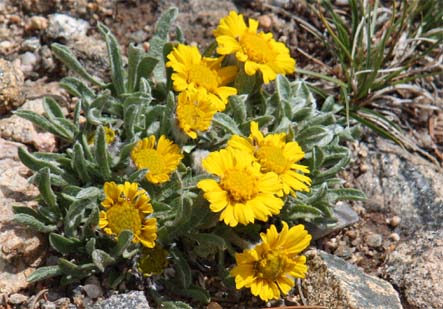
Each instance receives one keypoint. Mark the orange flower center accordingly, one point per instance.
(203, 77)
(271, 266)
(272, 159)
(152, 160)
(241, 185)
(123, 216)
(257, 48)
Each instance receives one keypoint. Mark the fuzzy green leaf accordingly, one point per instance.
(33, 223)
(164, 23)
(52, 108)
(145, 68)
(183, 270)
(305, 212)
(65, 55)
(226, 122)
(31, 212)
(76, 87)
(90, 246)
(238, 105)
(124, 241)
(130, 119)
(63, 244)
(115, 59)
(45, 124)
(102, 259)
(79, 163)
(346, 194)
(44, 186)
(44, 272)
(175, 305)
(314, 136)
(135, 54)
(101, 154)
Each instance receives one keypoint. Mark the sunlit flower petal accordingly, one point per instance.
(270, 267)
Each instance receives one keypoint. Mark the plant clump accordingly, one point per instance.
(181, 161)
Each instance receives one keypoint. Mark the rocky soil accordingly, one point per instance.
(387, 252)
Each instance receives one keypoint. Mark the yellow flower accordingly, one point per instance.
(160, 160)
(192, 71)
(276, 155)
(109, 136)
(243, 193)
(126, 207)
(270, 267)
(258, 51)
(194, 112)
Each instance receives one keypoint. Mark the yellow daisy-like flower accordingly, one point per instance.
(270, 267)
(258, 51)
(110, 136)
(126, 207)
(194, 112)
(276, 155)
(243, 193)
(192, 71)
(160, 160)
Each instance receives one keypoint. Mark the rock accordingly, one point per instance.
(345, 216)
(134, 299)
(93, 287)
(374, 240)
(416, 267)
(17, 298)
(28, 62)
(31, 44)
(21, 249)
(332, 282)
(37, 23)
(66, 27)
(11, 83)
(21, 130)
(404, 185)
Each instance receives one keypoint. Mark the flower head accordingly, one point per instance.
(270, 267)
(110, 136)
(192, 71)
(194, 112)
(276, 155)
(160, 159)
(126, 208)
(258, 51)
(243, 193)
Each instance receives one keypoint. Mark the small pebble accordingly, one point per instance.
(395, 221)
(374, 240)
(93, 291)
(17, 298)
(15, 19)
(37, 23)
(394, 237)
(214, 305)
(265, 21)
(351, 234)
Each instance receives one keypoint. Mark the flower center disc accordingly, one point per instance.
(241, 185)
(152, 160)
(270, 267)
(272, 159)
(203, 77)
(257, 48)
(123, 217)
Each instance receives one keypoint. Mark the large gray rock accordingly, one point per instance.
(416, 267)
(334, 283)
(399, 183)
(11, 84)
(133, 300)
(21, 249)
